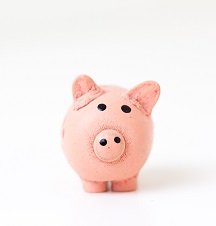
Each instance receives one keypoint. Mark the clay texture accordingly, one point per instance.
(107, 133)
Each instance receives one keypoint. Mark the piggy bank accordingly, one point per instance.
(107, 133)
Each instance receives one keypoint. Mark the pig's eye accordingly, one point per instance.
(126, 109)
(101, 107)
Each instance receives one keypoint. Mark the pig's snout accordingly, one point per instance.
(109, 145)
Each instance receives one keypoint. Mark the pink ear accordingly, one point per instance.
(144, 96)
(84, 90)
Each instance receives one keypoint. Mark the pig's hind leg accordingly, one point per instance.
(94, 186)
(129, 184)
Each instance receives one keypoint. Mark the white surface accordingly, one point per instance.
(44, 45)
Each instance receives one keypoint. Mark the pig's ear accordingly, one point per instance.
(84, 90)
(144, 96)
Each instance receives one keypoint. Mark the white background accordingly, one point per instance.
(44, 45)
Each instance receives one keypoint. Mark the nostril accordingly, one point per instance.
(117, 140)
(103, 142)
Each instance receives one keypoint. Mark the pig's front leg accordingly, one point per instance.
(94, 186)
(125, 185)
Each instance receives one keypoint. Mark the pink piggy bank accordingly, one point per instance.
(107, 133)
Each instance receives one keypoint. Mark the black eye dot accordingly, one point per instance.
(103, 142)
(101, 107)
(126, 109)
(117, 140)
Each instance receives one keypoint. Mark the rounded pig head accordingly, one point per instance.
(107, 132)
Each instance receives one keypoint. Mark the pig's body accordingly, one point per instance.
(110, 144)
